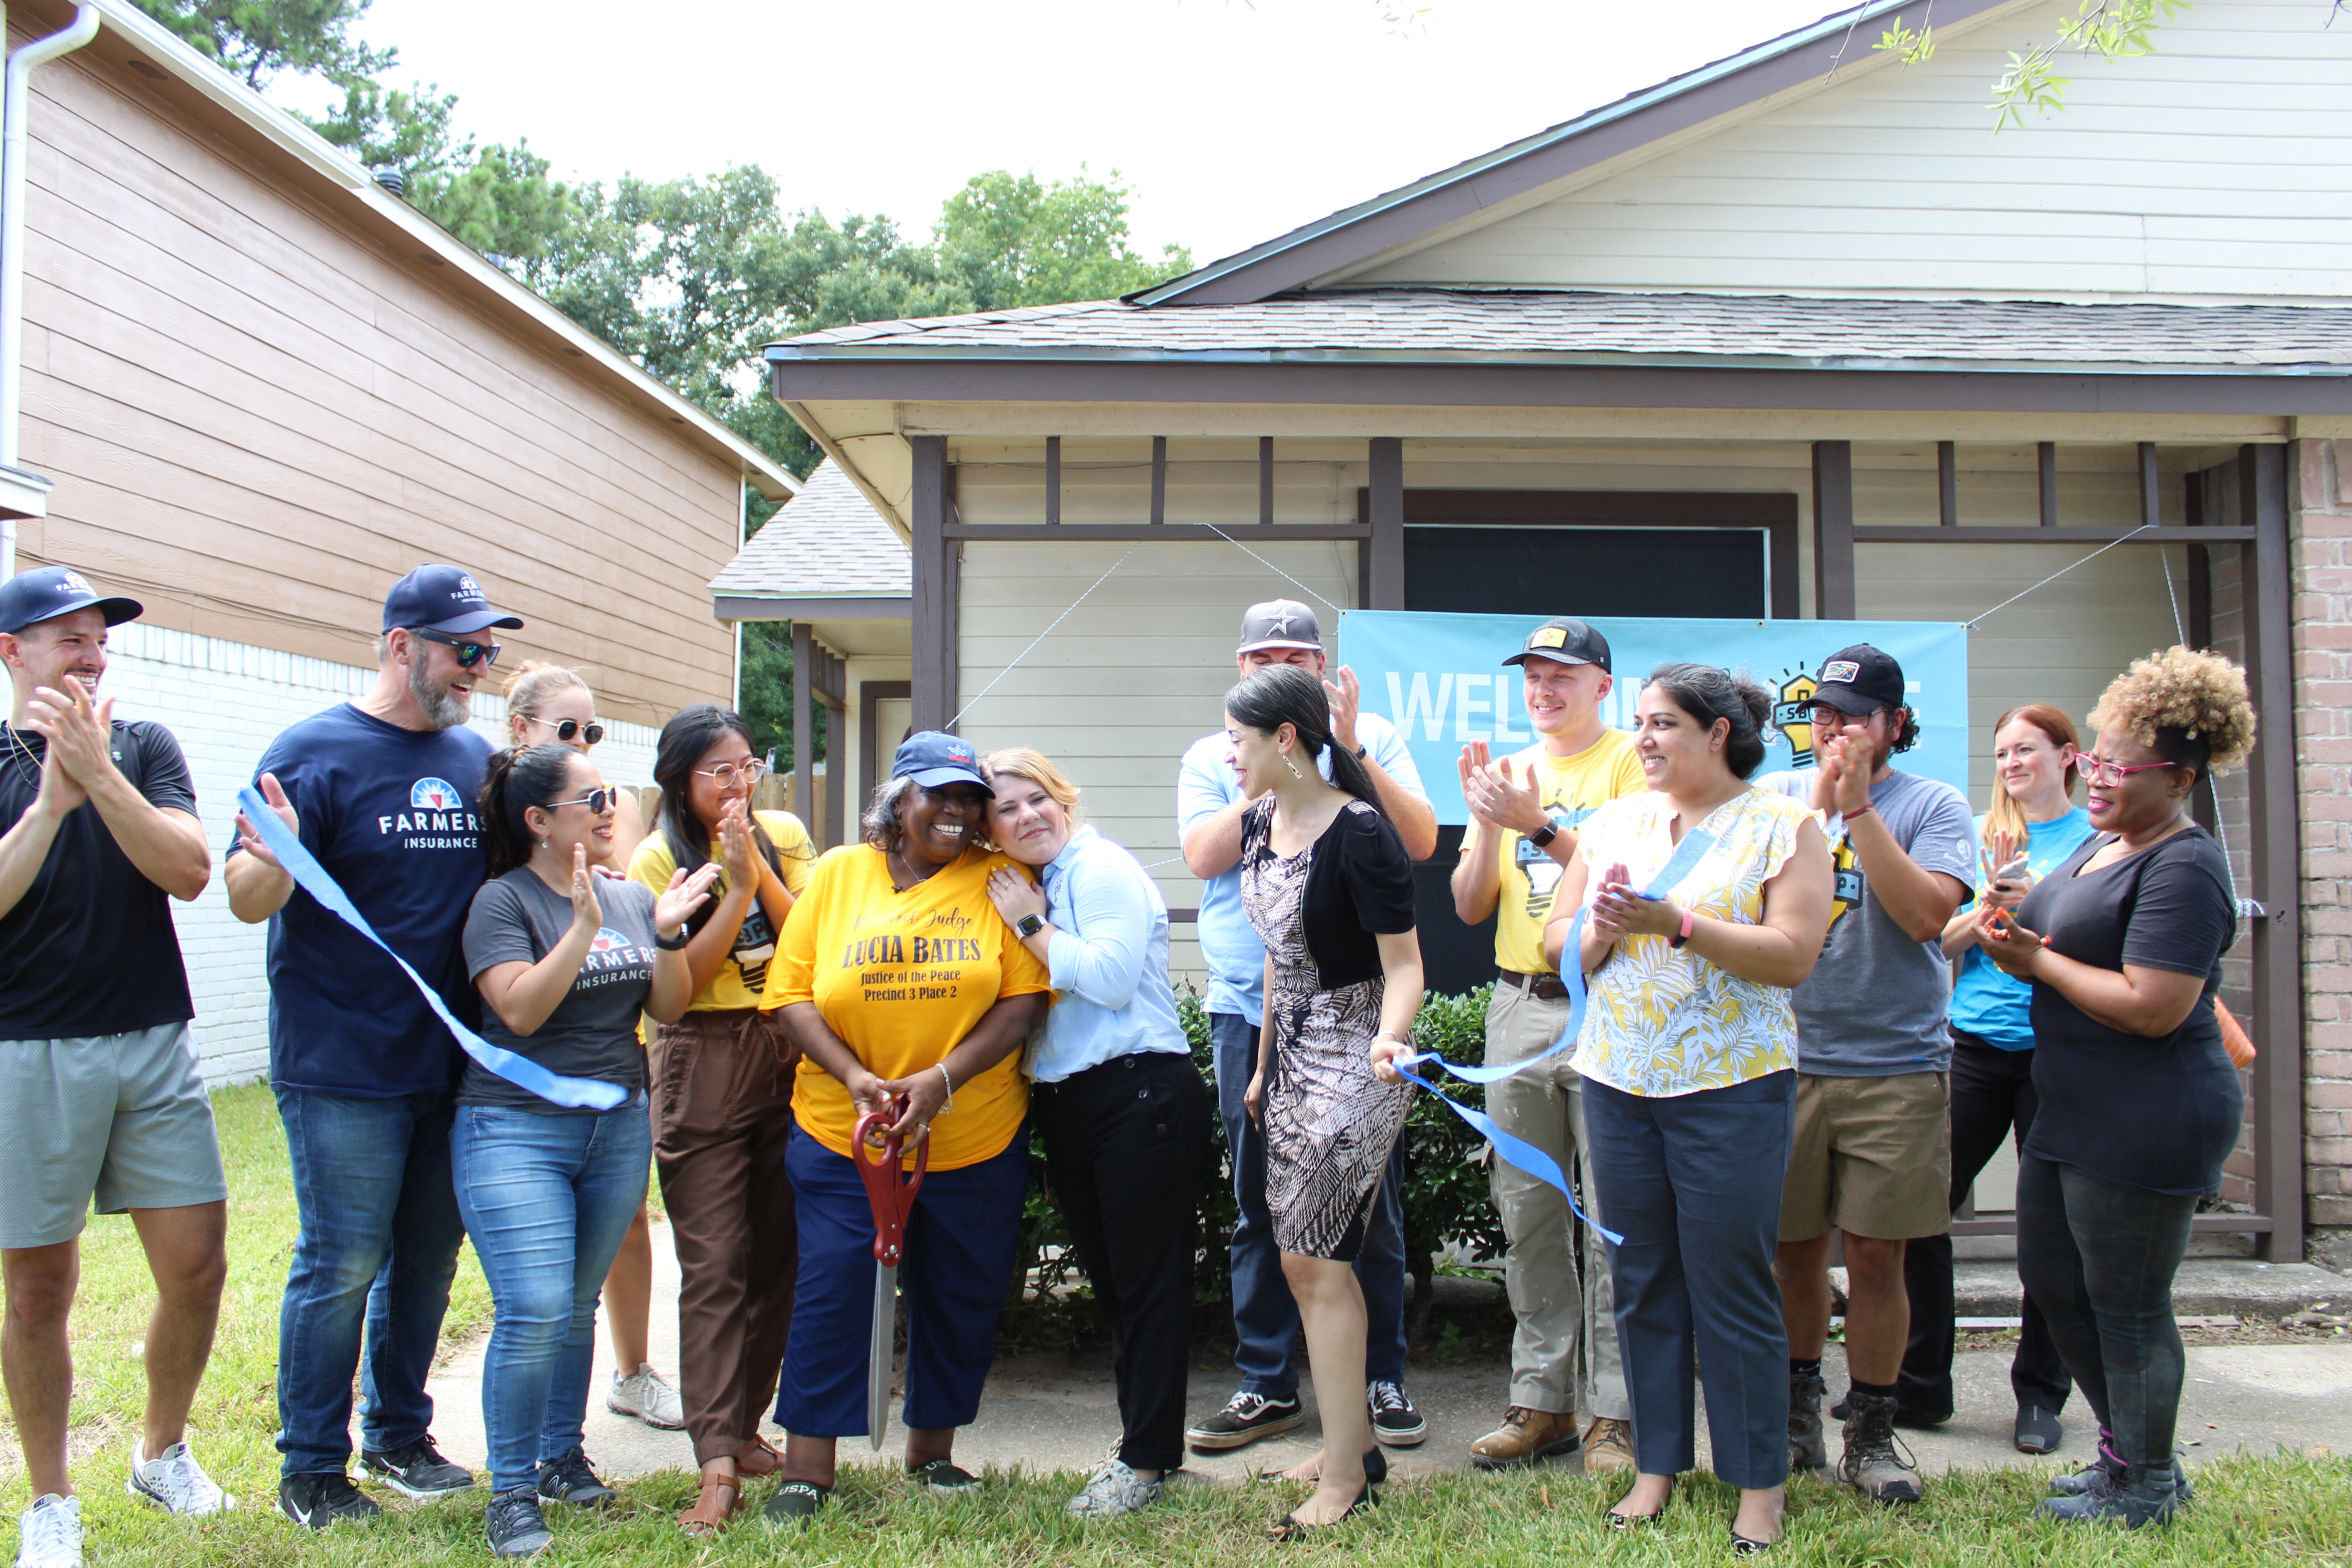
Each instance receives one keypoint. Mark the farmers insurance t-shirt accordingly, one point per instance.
(744, 973)
(389, 815)
(90, 948)
(592, 1033)
(1572, 788)
(902, 978)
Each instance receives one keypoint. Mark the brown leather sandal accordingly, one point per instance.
(715, 1508)
(758, 1458)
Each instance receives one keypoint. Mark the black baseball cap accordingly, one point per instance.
(45, 592)
(933, 758)
(1859, 681)
(1280, 623)
(1566, 640)
(443, 599)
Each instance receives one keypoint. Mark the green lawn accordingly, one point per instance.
(2274, 1512)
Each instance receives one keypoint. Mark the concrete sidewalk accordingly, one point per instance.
(1049, 1413)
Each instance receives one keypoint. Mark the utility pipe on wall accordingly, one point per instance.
(40, 51)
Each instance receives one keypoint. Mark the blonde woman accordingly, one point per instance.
(548, 704)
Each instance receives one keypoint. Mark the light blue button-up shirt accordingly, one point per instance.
(1107, 959)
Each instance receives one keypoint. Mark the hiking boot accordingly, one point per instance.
(1116, 1489)
(570, 1479)
(49, 1534)
(1609, 1447)
(2142, 1494)
(173, 1480)
(515, 1526)
(2110, 1465)
(1245, 1419)
(416, 1469)
(648, 1396)
(1809, 1451)
(1394, 1420)
(1875, 1464)
(322, 1500)
(1525, 1437)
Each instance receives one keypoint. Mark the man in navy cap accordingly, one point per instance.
(101, 1095)
(383, 790)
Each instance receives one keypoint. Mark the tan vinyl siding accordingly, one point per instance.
(2212, 168)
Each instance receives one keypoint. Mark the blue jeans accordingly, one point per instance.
(372, 1190)
(1266, 1318)
(548, 1198)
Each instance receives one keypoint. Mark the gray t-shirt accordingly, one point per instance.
(1876, 1003)
(592, 1033)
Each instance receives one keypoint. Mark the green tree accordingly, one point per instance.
(503, 203)
(257, 39)
(1013, 240)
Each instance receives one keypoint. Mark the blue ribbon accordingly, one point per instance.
(578, 1093)
(1519, 1151)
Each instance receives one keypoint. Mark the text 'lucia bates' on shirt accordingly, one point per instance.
(902, 977)
(1572, 788)
(744, 973)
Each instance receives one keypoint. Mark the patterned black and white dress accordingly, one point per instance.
(1329, 1124)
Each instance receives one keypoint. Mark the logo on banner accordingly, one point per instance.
(434, 794)
(1793, 715)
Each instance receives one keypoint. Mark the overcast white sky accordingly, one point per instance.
(1231, 121)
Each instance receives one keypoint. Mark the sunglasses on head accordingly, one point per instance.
(597, 801)
(565, 729)
(469, 652)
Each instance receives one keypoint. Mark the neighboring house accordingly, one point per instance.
(1798, 329)
(264, 387)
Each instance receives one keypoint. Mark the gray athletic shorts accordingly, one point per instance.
(123, 1118)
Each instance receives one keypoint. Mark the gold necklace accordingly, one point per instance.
(22, 756)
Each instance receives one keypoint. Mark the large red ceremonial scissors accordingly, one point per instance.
(891, 1191)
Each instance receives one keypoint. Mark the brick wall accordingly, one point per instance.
(2319, 476)
(226, 702)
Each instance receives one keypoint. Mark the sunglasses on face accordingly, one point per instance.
(470, 653)
(726, 775)
(2099, 771)
(597, 801)
(565, 729)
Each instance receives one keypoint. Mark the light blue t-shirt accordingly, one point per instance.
(1205, 785)
(1108, 961)
(1995, 1007)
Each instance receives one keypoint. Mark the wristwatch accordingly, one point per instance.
(1543, 837)
(671, 944)
(1029, 925)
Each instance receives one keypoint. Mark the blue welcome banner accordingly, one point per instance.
(1441, 679)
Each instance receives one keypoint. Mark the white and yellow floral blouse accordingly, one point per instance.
(1660, 1020)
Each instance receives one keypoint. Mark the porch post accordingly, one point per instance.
(804, 732)
(2264, 573)
(1834, 531)
(1385, 579)
(933, 703)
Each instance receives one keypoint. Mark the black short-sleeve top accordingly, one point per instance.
(1358, 888)
(2156, 1113)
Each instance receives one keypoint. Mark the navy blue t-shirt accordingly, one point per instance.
(389, 813)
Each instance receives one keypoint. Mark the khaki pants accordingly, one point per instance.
(1556, 1320)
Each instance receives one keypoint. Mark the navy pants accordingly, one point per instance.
(1265, 1318)
(1693, 1182)
(958, 1268)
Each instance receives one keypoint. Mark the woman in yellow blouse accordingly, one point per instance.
(1709, 903)
(908, 995)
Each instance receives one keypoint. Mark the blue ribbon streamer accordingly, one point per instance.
(578, 1093)
(1519, 1151)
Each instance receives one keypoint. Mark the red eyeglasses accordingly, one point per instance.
(2099, 771)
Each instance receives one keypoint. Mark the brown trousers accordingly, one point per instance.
(722, 1111)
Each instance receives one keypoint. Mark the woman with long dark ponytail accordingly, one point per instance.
(1328, 889)
(723, 1097)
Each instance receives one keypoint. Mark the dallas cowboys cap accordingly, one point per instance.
(442, 599)
(1859, 681)
(1566, 640)
(1280, 623)
(933, 758)
(45, 592)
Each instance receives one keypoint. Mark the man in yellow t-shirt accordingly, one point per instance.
(1524, 810)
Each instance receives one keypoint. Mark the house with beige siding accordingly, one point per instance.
(1805, 335)
(257, 388)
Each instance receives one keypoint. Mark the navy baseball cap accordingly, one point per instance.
(1564, 639)
(443, 599)
(45, 592)
(933, 758)
(1859, 681)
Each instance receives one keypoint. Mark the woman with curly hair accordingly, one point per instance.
(2139, 1104)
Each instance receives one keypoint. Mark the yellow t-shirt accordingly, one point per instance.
(1573, 789)
(902, 978)
(740, 979)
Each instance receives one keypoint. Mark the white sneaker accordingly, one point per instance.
(173, 1480)
(1114, 1490)
(51, 1534)
(647, 1395)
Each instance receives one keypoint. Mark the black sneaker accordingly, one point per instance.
(1245, 1419)
(944, 1477)
(515, 1526)
(795, 1503)
(570, 1480)
(417, 1469)
(1394, 1420)
(319, 1500)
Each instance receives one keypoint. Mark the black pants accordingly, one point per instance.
(1125, 1144)
(2101, 1259)
(1992, 1099)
